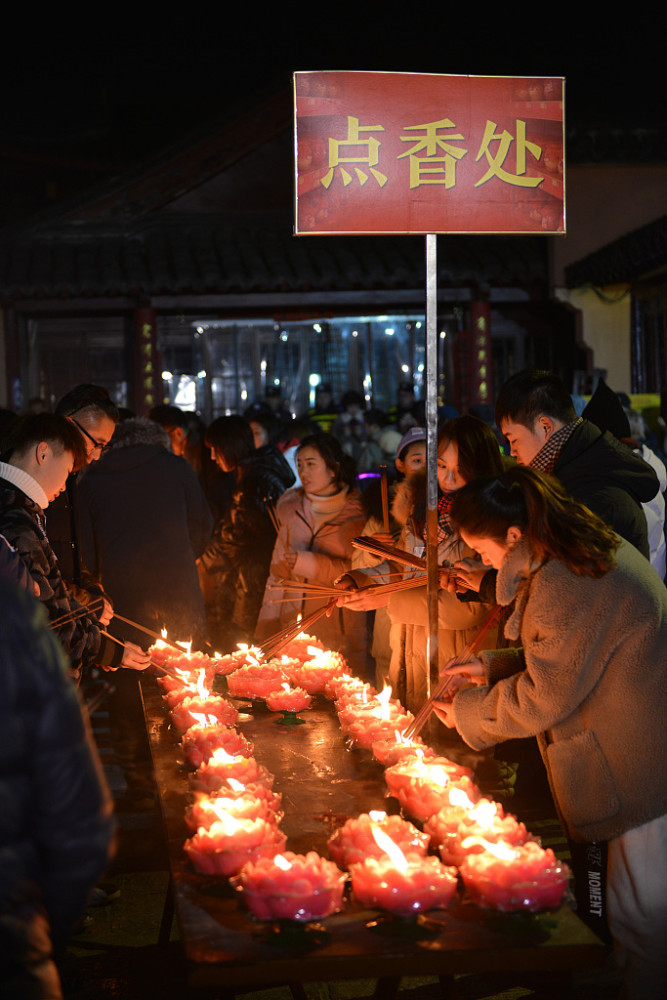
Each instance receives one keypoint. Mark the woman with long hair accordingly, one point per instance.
(234, 567)
(318, 521)
(589, 680)
(467, 448)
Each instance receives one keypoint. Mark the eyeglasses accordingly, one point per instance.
(96, 444)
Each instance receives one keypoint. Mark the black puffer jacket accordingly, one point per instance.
(56, 827)
(22, 524)
(238, 557)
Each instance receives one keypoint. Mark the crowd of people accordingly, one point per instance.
(119, 525)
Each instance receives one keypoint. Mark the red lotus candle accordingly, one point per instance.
(354, 841)
(404, 886)
(522, 877)
(314, 674)
(184, 714)
(467, 822)
(287, 699)
(423, 786)
(389, 750)
(230, 843)
(226, 663)
(292, 887)
(209, 809)
(207, 735)
(353, 693)
(380, 723)
(255, 681)
(303, 647)
(222, 766)
(232, 788)
(340, 683)
(179, 683)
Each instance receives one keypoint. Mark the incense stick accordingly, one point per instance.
(388, 551)
(70, 616)
(148, 631)
(385, 498)
(276, 642)
(463, 657)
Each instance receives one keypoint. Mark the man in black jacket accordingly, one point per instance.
(535, 413)
(56, 828)
(41, 451)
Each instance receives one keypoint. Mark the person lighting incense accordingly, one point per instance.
(589, 680)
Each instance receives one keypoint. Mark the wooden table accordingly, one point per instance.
(320, 778)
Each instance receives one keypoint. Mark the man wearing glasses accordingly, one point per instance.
(95, 415)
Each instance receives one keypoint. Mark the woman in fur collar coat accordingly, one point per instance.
(318, 521)
(590, 681)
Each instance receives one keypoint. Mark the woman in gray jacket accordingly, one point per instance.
(589, 680)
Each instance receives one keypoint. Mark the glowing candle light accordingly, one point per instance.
(229, 843)
(402, 885)
(354, 841)
(522, 877)
(292, 887)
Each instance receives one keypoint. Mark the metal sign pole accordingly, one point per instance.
(431, 458)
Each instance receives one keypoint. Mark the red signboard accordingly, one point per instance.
(420, 153)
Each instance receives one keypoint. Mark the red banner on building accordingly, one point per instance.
(418, 153)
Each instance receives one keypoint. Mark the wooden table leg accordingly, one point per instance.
(167, 916)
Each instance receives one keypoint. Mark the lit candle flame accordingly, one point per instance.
(377, 815)
(484, 813)
(235, 784)
(187, 646)
(385, 843)
(282, 862)
(202, 690)
(457, 797)
(383, 701)
(221, 756)
(500, 850)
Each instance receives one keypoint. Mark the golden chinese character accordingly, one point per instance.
(496, 162)
(420, 166)
(146, 331)
(370, 158)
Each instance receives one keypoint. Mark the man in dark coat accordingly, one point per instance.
(55, 823)
(535, 413)
(144, 520)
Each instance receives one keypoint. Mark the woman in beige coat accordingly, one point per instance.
(318, 521)
(590, 681)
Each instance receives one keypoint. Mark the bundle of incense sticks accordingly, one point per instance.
(463, 657)
(271, 511)
(149, 632)
(388, 552)
(71, 616)
(272, 646)
(312, 591)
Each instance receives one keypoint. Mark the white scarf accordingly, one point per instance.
(25, 483)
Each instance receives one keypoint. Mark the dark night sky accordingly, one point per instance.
(99, 94)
